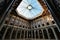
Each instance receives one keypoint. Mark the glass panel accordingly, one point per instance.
(29, 9)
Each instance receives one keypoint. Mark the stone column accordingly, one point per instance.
(54, 33)
(47, 33)
(5, 33)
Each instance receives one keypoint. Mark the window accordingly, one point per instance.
(29, 9)
(47, 23)
(38, 25)
(53, 22)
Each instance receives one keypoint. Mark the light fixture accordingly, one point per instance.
(29, 7)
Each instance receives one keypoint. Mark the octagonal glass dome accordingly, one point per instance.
(29, 9)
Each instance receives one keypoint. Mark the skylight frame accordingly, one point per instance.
(31, 17)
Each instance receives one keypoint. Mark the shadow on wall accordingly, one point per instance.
(3, 6)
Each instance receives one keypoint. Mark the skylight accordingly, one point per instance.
(29, 9)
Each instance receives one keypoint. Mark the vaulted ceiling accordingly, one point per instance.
(46, 12)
